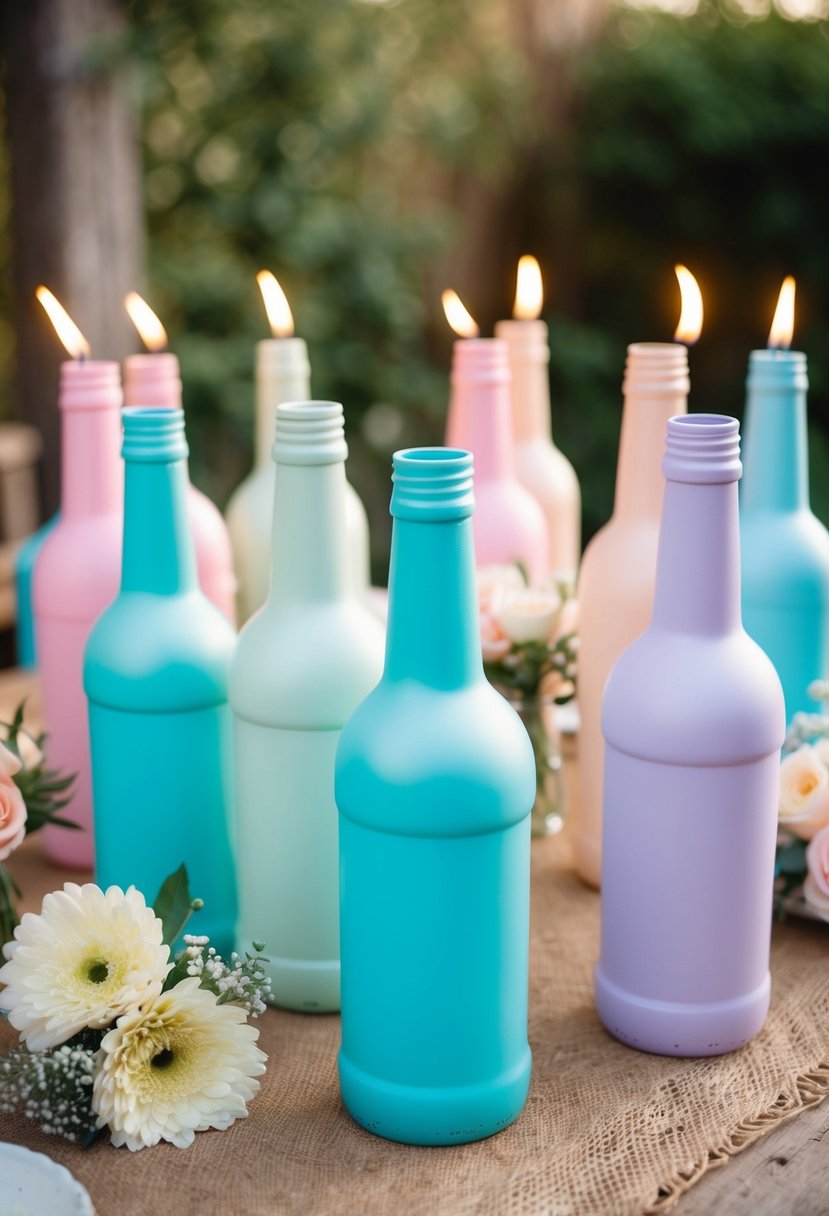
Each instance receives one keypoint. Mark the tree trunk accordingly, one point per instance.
(77, 217)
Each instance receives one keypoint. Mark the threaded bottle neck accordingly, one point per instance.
(432, 484)
(152, 380)
(310, 432)
(154, 435)
(702, 449)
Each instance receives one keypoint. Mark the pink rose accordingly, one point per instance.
(816, 886)
(12, 815)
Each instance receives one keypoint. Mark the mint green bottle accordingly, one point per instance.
(435, 783)
(303, 663)
(155, 674)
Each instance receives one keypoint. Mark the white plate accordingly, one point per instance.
(32, 1184)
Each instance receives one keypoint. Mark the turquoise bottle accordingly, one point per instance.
(24, 569)
(435, 781)
(155, 674)
(304, 662)
(785, 547)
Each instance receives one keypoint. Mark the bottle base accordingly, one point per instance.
(414, 1114)
(668, 1028)
(304, 986)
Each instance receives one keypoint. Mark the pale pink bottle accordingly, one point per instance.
(77, 575)
(539, 464)
(615, 588)
(508, 523)
(155, 380)
(694, 719)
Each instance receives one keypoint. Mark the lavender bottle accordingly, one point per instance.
(693, 721)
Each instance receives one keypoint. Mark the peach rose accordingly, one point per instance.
(816, 886)
(12, 814)
(494, 642)
(493, 584)
(10, 765)
(804, 792)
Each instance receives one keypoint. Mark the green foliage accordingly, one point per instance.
(174, 905)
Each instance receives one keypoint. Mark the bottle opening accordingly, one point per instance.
(310, 432)
(775, 371)
(432, 484)
(154, 434)
(702, 449)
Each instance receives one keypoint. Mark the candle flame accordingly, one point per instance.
(150, 330)
(66, 329)
(277, 307)
(690, 317)
(459, 318)
(529, 290)
(782, 327)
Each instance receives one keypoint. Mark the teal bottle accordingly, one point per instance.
(435, 780)
(785, 548)
(155, 674)
(24, 569)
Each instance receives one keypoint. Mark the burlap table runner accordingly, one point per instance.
(606, 1129)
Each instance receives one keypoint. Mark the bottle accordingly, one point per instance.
(540, 466)
(693, 722)
(24, 571)
(75, 577)
(155, 674)
(615, 588)
(508, 523)
(785, 547)
(153, 381)
(303, 663)
(435, 781)
(282, 374)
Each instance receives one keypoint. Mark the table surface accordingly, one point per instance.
(784, 1173)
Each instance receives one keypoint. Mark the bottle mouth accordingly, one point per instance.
(90, 384)
(310, 432)
(154, 434)
(702, 449)
(480, 361)
(774, 371)
(527, 341)
(656, 367)
(432, 484)
(282, 356)
(152, 380)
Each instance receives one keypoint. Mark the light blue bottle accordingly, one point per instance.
(24, 569)
(435, 780)
(155, 673)
(785, 548)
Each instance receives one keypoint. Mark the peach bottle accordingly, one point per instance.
(77, 575)
(153, 380)
(618, 570)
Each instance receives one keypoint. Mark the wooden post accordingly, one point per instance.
(77, 215)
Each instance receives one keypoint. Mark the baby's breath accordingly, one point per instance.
(54, 1088)
(242, 981)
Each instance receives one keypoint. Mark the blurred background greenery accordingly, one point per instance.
(371, 154)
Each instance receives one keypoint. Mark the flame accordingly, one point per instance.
(277, 307)
(150, 330)
(782, 327)
(690, 317)
(66, 329)
(529, 290)
(459, 319)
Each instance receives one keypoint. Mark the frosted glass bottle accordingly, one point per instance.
(693, 718)
(540, 465)
(24, 573)
(615, 588)
(154, 381)
(282, 374)
(435, 782)
(75, 577)
(785, 546)
(508, 523)
(155, 673)
(303, 663)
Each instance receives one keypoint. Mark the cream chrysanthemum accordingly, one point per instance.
(86, 958)
(176, 1067)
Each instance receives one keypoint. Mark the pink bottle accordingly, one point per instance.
(693, 719)
(615, 589)
(508, 522)
(154, 380)
(76, 576)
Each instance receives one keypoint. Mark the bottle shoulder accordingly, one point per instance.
(619, 565)
(157, 653)
(785, 555)
(78, 569)
(305, 666)
(415, 760)
(686, 699)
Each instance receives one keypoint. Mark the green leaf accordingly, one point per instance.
(791, 859)
(8, 912)
(178, 972)
(173, 904)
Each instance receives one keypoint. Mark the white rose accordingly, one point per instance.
(529, 616)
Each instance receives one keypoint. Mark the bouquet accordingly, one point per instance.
(114, 1034)
(802, 862)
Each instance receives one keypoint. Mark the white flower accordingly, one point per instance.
(87, 957)
(804, 792)
(178, 1066)
(494, 582)
(529, 616)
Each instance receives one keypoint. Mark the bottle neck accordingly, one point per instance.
(283, 373)
(529, 364)
(159, 556)
(309, 543)
(433, 633)
(480, 409)
(776, 437)
(92, 475)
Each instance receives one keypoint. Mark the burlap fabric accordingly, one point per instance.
(606, 1130)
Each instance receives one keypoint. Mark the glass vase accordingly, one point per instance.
(539, 715)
